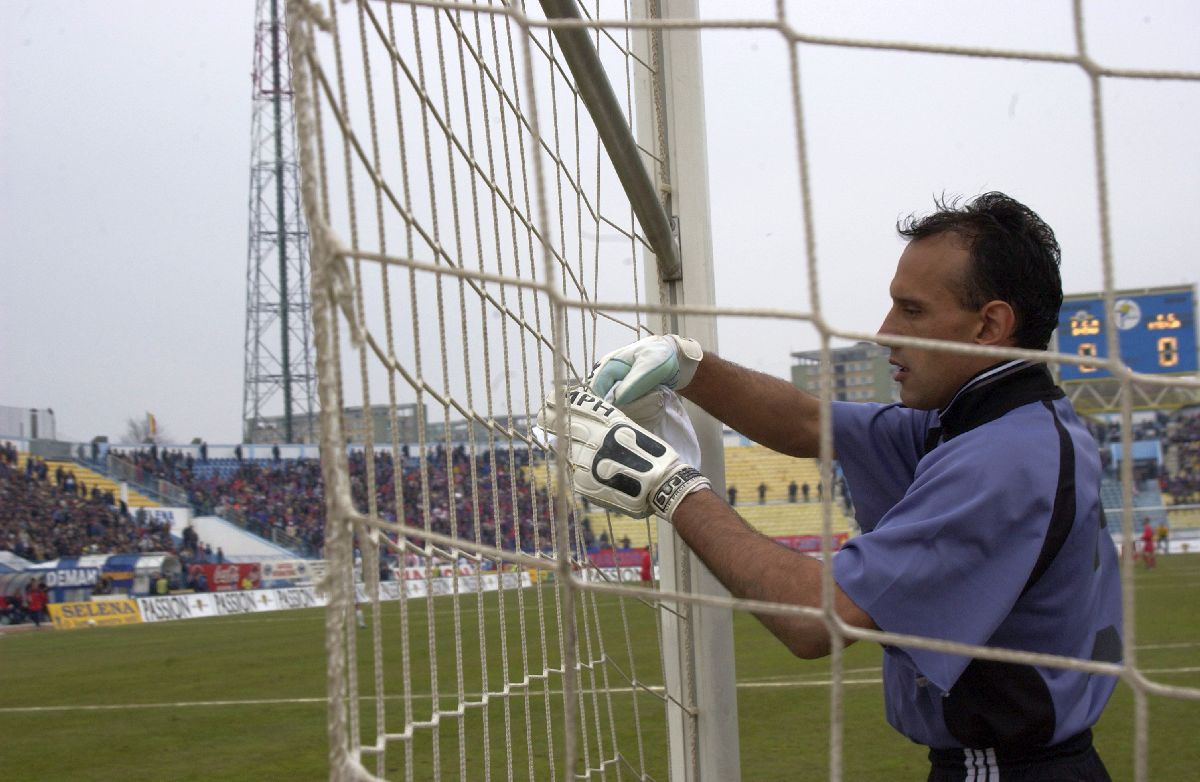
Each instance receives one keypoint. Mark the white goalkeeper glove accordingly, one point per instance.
(635, 370)
(618, 464)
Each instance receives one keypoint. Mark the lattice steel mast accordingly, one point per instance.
(278, 308)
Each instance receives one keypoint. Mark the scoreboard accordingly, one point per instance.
(1156, 332)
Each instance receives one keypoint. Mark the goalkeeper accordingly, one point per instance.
(977, 495)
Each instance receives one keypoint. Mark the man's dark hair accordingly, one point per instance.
(1014, 258)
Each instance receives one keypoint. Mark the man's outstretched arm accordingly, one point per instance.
(767, 409)
(764, 408)
(753, 566)
(625, 468)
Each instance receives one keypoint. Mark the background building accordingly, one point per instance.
(861, 373)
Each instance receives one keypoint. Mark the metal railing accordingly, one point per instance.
(123, 469)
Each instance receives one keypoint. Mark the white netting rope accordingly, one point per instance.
(542, 306)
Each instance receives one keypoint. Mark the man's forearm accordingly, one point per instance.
(753, 566)
(764, 408)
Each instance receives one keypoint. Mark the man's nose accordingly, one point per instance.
(886, 327)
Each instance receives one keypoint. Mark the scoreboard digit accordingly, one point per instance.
(1156, 332)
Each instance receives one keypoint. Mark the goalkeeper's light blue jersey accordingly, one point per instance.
(982, 524)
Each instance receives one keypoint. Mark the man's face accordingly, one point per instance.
(926, 302)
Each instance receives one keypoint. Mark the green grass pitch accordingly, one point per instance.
(243, 698)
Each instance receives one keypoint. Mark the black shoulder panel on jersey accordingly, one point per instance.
(1062, 517)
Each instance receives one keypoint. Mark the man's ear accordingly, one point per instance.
(998, 324)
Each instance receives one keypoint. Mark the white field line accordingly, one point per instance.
(449, 612)
(744, 685)
(416, 696)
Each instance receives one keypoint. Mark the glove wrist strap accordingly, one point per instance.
(678, 485)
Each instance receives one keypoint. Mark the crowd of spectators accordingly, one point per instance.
(45, 515)
(1183, 484)
(489, 496)
(1108, 432)
(1178, 475)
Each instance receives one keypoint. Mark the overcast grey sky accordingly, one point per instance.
(124, 171)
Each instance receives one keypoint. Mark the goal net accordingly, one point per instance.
(477, 237)
(498, 193)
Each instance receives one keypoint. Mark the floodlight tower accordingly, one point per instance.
(279, 343)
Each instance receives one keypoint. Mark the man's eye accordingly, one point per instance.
(912, 311)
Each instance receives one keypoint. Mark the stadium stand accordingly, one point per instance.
(747, 467)
(90, 478)
(778, 519)
(236, 543)
(280, 500)
(46, 514)
(1181, 519)
(1180, 481)
(1147, 501)
(84, 479)
(1182, 460)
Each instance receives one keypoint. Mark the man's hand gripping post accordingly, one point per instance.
(635, 370)
(616, 463)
